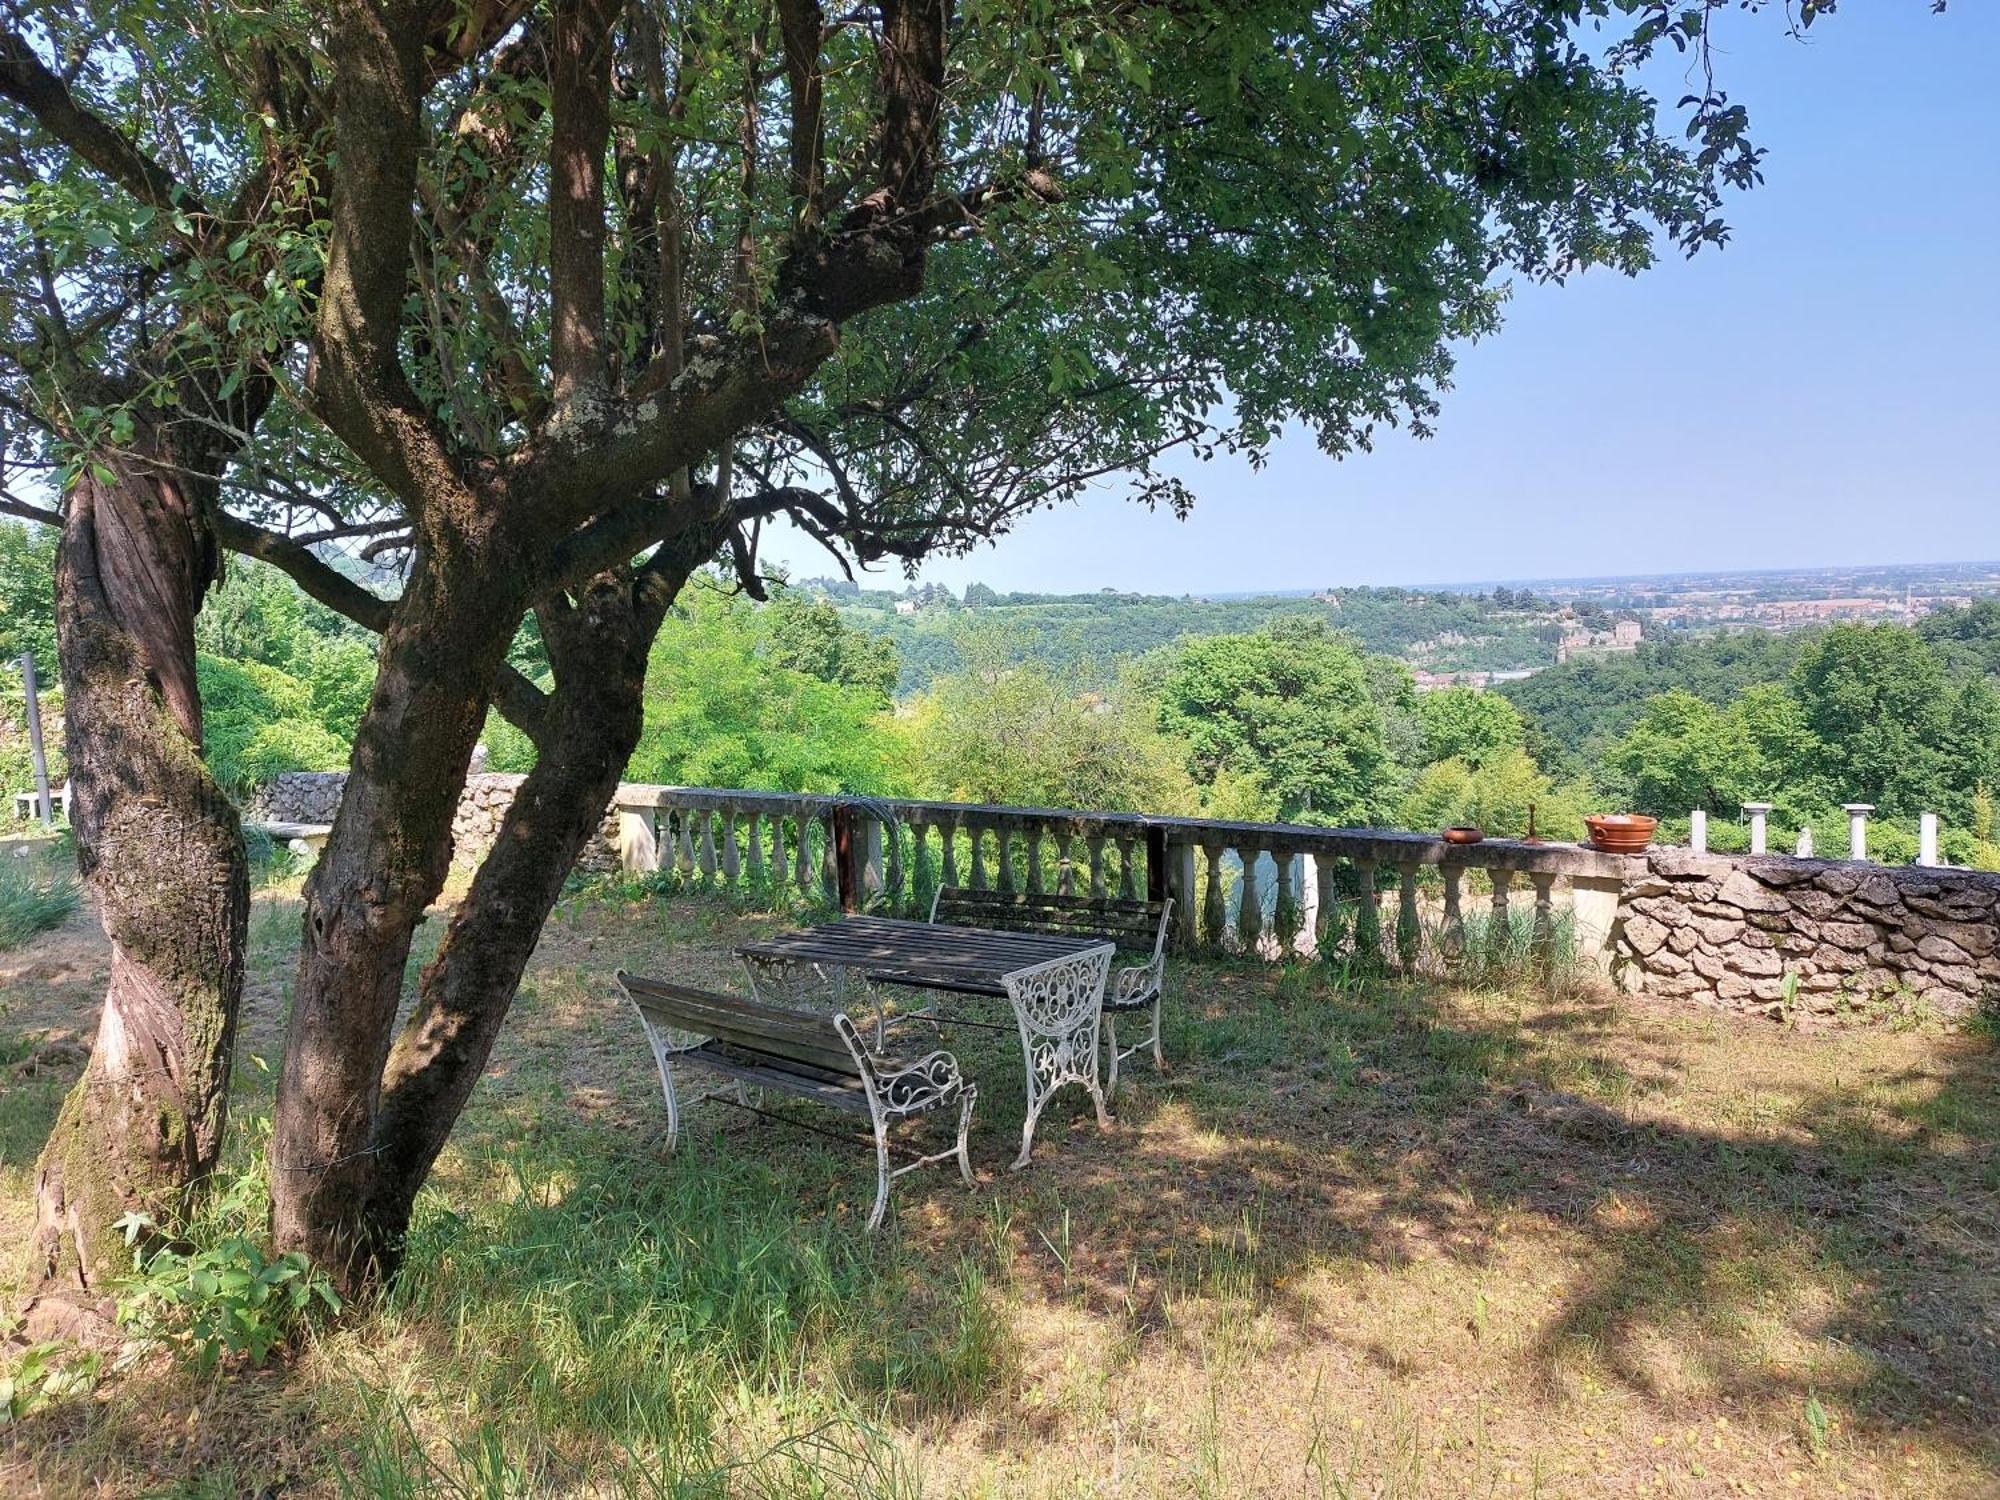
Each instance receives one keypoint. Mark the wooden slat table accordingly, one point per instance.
(1057, 1011)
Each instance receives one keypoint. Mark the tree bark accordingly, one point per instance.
(162, 851)
(384, 862)
(464, 994)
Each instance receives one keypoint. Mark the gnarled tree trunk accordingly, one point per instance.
(162, 851)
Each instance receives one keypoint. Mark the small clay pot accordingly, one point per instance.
(1462, 835)
(1621, 833)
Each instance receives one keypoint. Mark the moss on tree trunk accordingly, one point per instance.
(162, 851)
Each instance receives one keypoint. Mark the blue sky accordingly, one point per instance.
(1821, 391)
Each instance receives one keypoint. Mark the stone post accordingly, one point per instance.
(638, 847)
(1698, 831)
(1594, 910)
(1927, 839)
(1857, 828)
(1760, 813)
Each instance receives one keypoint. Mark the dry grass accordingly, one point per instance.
(1381, 1240)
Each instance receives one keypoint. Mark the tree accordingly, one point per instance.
(1018, 736)
(1468, 725)
(808, 635)
(1876, 700)
(722, 710)
(1683, 753)
(1290, 708)
(150, 296)
(1494, 795)
(897, 275)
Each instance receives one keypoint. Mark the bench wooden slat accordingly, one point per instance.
(845, 1094)
(749, 1025)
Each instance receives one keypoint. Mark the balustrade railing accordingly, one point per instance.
(1271, 890)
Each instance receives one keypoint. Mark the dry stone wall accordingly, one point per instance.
(1729, 930)
(314, 797)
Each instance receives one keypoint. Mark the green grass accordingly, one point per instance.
(33, 898)
(1368, 1236)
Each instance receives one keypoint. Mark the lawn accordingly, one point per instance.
(1363, 1239)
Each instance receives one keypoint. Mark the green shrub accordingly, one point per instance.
(211, 1289)
(33, 900)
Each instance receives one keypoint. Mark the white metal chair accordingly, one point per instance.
(1134, 988)
(1058, 1006)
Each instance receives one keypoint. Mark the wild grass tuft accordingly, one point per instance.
(33, 898)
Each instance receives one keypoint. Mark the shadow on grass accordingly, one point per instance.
(1755, 1241)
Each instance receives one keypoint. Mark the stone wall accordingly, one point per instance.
(314, 797)
(1728, 930)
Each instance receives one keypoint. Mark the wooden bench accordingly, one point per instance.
(805, 1054)
(1133, 926)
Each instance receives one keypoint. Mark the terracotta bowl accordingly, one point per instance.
(1620, 833)
(1462, 835)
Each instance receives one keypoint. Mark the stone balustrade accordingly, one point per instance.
(1269, 889)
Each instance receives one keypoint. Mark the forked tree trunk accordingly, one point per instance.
(465, 992)
(378, 1116)
(162, 851)
(384, 862)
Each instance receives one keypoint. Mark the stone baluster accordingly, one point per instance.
(1035, 860)
(1454, 915)
(1326, 921)
(1368, 915)
(948, 837)
(1127, 891)
(1502, 934)
(1180, 886)
(706, 848)
(802, 853)
(1065, 870)
(978, 857)
(1544, 883)
(684, 843)
(892, 871)
(1409, 927)
(1214, 906)
(1004, 837)
(732, 856)
(829, 862)
(874, 870)
(1094, 842)
(920, 860)
(1249, 903)
(1857, 828)
(754, 838)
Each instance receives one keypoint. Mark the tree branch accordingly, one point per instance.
(802, 25)
(519, 701)
(308, 570)
(25, 80)
(580, 104)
